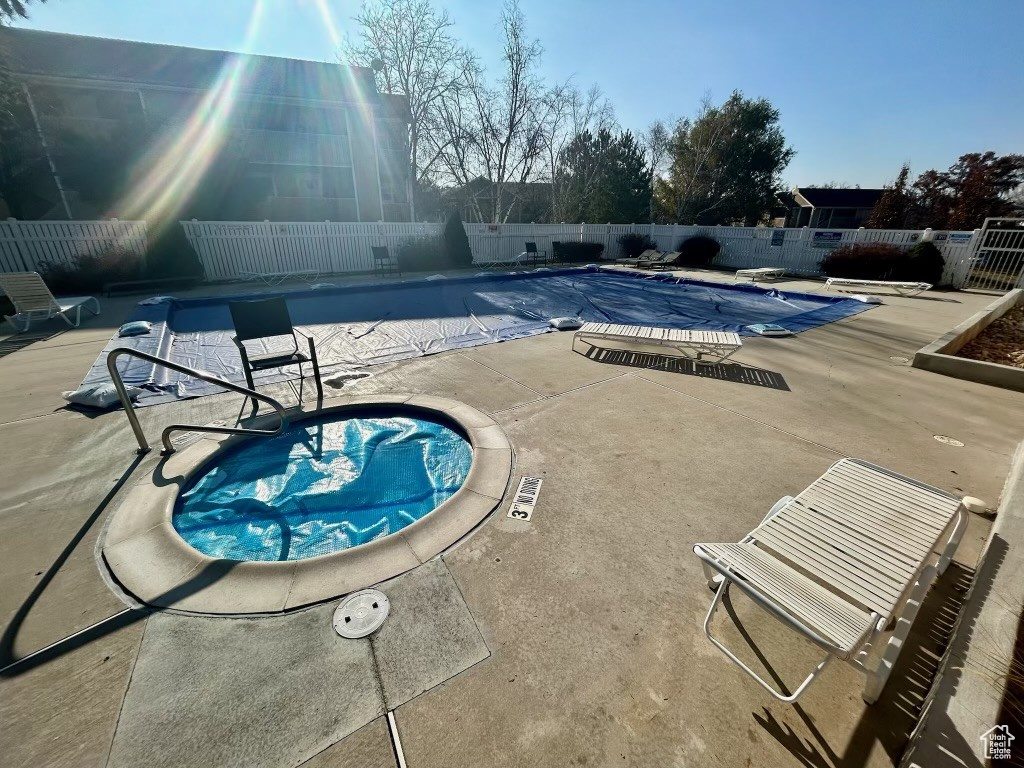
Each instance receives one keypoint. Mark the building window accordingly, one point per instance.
(270, 116)
(304, 181)
(337, 182)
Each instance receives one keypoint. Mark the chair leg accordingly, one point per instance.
(878, 677)
(719, 594)
(953, 542)
(316, 373)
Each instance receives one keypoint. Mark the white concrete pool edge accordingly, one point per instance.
(148, 559)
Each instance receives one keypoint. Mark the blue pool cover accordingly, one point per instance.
(322, 486)
(361, 325)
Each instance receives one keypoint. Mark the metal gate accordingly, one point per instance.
(997, 263)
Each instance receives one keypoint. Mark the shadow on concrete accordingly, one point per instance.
(893, 720)
(11, 666)
(735, 372)
(19, 341)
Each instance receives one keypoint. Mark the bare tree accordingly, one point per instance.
(496, 132)
(655, 141)
(410, 45)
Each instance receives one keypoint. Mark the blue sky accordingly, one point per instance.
(862, 87)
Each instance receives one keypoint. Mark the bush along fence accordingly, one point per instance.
(234, 250)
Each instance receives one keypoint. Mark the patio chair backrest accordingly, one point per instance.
(381, 253)
(531, 247)
(27, 291)
(261, 319)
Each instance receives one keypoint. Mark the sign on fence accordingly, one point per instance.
(826, 239)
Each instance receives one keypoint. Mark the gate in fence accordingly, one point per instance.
(997, 259)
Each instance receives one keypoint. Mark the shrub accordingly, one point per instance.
(578, 252)
(922, 263)
(633, 244)
(422, 254)
(89, 273)
(170, 255)
(456, 243)
(880, 261)
(698, 251)
(862, 261)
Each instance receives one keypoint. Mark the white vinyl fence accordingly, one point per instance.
(232, 250)
(229, 250)
(26, 245)
(798, 251)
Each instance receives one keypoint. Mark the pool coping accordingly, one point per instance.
(150, 561)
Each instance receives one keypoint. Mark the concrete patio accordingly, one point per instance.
(573, 639)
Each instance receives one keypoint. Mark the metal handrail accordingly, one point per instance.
(209, 378)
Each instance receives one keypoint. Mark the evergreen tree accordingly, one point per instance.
(456, 243)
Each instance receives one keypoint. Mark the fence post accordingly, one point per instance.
(927, 235)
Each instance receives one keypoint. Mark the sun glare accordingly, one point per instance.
(172, 170)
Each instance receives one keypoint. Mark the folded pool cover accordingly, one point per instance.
(361, 325)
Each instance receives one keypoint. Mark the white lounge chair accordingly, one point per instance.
(902, 288)
(718, 345)
(761, 273)
(33, 300)
(840, 562)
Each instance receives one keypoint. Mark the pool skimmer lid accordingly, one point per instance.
(361, 613)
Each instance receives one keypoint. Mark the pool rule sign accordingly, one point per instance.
(525, 499)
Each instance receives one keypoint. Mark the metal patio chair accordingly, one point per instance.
(383, 262)
(532, 254)
(269, 319)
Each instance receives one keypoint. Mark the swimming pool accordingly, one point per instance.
(368, 324)
(323, 485)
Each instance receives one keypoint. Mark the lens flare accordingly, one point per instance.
(328, 19)
(174, 167)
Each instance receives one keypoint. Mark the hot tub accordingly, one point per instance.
(325, 484)
(346, 497)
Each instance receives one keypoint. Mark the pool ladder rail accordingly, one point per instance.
(209, 378)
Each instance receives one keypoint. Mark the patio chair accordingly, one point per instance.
(269, 319)
(532, 254)
(841, 562)
(383, 262)
(33, 300)
(647, 255)
(900, 287)
(662, 261)
(760, 273)
(695, 345)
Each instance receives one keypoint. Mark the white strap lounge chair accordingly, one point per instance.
(902, 288)
(717, 345)
(840, 562)
(32, 300)
(761, 273)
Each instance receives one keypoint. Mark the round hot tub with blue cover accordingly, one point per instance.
(323, 485)
(344, 498)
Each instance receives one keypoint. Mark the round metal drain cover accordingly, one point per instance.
(899, 359)
(361, 613)
(948, 440)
